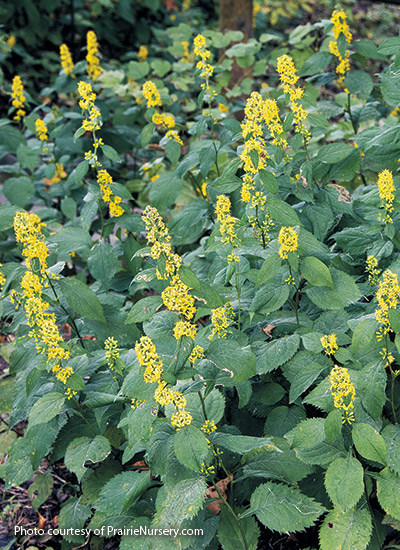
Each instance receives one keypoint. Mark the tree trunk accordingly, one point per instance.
(236, 15)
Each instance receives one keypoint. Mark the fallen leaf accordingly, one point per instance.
(215, 507)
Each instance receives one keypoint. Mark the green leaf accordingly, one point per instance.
(269, 181)
(317, 63)
(360, 83)
(277, 465)
(334, 153)
(312, 446)
(282, 212)
(231, 537)
(173, 151)
(147, 133)
(349, 531)
(242, 444)
(191, 447)
(82, 299)
(371, 388)
(46, 407)
(121, 492)
(269, 269)
(69, 207)
(80, 171)
(270, 297)
(363, 336)
(390, 88)
(369, 443)
(388, 492)
(19, 191)
(137, 70)
(394, 320)
(86, 449)
(316, 272)
(333, 425)
(73, 516)
(179, 502)
(40, 490)
(345, 292)
(110, 153)
(144, 309)
(235, 363)
(284, 509)
(391, 435)
(160, 67)
(344, 482)
(271, 355)
(103, 263)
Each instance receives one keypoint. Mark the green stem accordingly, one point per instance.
(296, 307)
(233, 514)
(237, 288)
(350, 113)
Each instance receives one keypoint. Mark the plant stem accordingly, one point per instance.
(237, 288)
(233, 514)
(350, 113)
(373, 517)
(296, 307)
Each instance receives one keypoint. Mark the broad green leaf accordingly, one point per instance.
(73, 516)
(369, 443)
(46, 407)
(282, 212)
(242, 444)
(269, 298)
(191, 447)
(349, 531)
(40, 490)
(110, 153)
(388, 492)
(269, 269)
(235, 363)
(284, 509)
(334, 153)
(371, 388)
(271, 355)
(391, 435)
(231, 536)
(344, 482)
(121, 492)
(312, 446)
(360, 83)
(333, 425)
(316, 272)
(19, 191)
(276, 465)
(82, 299)
(86, 449)
(344, 293)
(144, 309)
(363, 335)
(80, 171)
(103, 263)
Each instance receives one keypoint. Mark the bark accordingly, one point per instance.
(236, 15)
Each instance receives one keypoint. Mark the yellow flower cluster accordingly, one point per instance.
(343, 392)
(201, 51)
(28, 232)
(259, 111)
(66, 60)
(226, 221)
(221, 319)
(3, 281)
(388, 295)
(59, 174)
(143, 53)
(289, 78)
(196, 353)
(151, 94)
(18, 98)
(173, 134)
(329, 343)
(289, 241)
(176, 295)
(372, 270)
(340, 26)
(112, 352)
(186, 55)
(104, 180)
(160, 119)
(149, 358)
(86, 103)
(93, 67)
(387, 191)
(208, 427)
(41, 129)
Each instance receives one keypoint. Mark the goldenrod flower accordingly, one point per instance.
(196, 353)
(343, 392)
(41, 129)
(289, 78)
(143, 53)
(204, 54)
(93, 68)
(208, 427)
(181, 418)
(329, 343)
(184, 328)
(289, 241)
(112, 352)
(186, 55)
(2, 279)
(372, 270)
(104, 180)
(226, 221)
(387, 191)
(148, 357)
(18, 98)
(340, 26)
(176, 297)
(93, 121)
(221, 319)
(66, 60)
(173, 134)
(151, 94)
(388, 294)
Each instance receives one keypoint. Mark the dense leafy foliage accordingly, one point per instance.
(200, 287)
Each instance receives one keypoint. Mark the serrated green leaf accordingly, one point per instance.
(46, 407)
(82, 299)
(144, 309)
(391, 435)
(103, 263)
(316, 272)
(231, 536)
(110, 153)
(40, 490)
(349, 531)
(271, 355)
(369, 443)
(242, 444)
(284, 509)
(333, 425)
(344, 482)
(191, 447)
(86, 449)
(388, 492)
(121, 492)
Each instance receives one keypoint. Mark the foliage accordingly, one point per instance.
(203, 308)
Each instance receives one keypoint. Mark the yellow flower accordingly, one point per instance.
(226, 221)
(2, 279)
(148, 357)
(11, 40)
(343, 392)
(208, 427)
(18, 98)
(372, 270)
(173, 134)
(329, 343)
(289, 241)
(204, 54)
(223, 108)
(340, 26)
(143, 53)
(93, 68)
(66, 60)
(176, 297)
(151, 94)
(41, 129)
(184, 328)
(181, 418)
(112, 353)
(388, 294)
(289, 78)
(221, 319)
(387, 191)
(196, 353)
(104, 180)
